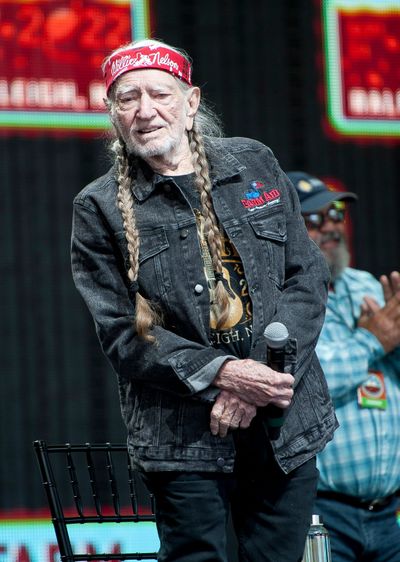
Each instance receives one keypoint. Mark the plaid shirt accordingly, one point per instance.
(363, 460)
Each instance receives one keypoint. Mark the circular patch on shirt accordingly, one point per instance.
(373, 387)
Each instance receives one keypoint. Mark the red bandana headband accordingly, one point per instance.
(150, 56)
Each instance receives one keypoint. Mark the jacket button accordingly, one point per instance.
(220, 462)
(198, 289)
(184, 233)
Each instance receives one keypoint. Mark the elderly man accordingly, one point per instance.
(184, 252)
(359, 350)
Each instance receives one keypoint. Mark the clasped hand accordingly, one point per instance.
(245, 385)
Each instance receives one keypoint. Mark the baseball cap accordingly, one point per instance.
(314, 194)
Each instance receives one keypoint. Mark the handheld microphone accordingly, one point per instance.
(276, 335)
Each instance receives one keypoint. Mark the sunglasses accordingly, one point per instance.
(336, 213)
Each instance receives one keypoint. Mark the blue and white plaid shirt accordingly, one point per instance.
(363, 459)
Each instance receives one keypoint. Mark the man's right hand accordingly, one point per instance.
(255, 383)
(384, 322)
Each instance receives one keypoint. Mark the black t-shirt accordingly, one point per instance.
(235, 336)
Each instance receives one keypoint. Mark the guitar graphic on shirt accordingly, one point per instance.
(236, 305)
(235, 308)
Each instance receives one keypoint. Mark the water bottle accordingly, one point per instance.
(317, 548)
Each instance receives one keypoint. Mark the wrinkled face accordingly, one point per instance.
(327, 229)
(153, 112)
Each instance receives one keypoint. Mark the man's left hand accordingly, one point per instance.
(230, 412)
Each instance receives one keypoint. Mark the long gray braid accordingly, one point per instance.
(146, 314)
(212, 231)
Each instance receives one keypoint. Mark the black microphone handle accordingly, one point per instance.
(276, 335)
(275, 360)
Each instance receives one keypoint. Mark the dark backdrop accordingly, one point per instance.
(258, 63)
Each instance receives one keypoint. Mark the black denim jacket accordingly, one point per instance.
(166, 388)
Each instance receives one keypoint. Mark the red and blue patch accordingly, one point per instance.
(256, 197)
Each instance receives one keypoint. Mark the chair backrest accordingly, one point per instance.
(95, 484)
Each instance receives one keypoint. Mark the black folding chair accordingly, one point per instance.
(93, 483)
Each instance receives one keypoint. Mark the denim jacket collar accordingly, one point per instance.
(223, 167)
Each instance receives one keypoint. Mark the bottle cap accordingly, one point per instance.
(316, 520)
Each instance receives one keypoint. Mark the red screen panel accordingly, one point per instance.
(50, 57)
(362, 61)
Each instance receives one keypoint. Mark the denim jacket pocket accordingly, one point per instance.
(271, 230)
(313, 395)
(154, 273)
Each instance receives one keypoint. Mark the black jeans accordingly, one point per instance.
(271, 511)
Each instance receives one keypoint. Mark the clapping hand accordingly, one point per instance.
(384, 322)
